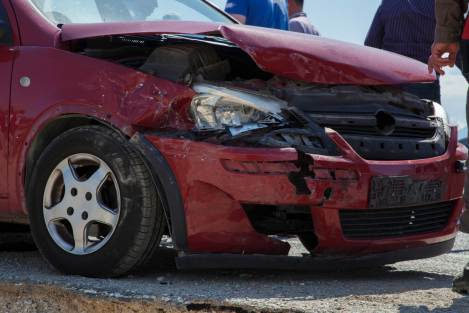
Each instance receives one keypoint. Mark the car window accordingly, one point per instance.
(102, 11)
(6, 37)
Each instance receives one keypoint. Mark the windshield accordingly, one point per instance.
(102, 11)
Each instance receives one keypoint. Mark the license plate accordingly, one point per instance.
(401, 191)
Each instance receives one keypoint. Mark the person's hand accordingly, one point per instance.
(438, 59)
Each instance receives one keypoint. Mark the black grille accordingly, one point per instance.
(396, 222)
(407, 132)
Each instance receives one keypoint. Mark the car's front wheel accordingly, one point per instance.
(93, 207)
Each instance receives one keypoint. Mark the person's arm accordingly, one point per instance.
(375, 35)
(238, 9)
(449, 22)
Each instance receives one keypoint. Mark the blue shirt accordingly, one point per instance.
(406, 27)
(263, 13)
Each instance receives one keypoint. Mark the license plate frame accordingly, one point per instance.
(403, 191)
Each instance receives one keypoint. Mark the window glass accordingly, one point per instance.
(102, 11)
(6, 37)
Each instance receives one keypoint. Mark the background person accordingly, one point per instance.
(263, 13)
(298, 20)
(407, 27)
(448, 34)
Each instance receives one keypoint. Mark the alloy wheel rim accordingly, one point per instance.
(81, 204)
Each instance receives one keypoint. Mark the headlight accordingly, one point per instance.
(217, 108)
(441, 114)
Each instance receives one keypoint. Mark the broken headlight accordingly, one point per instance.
(441, 114)
(219, 108)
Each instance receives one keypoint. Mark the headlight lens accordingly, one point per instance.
(218, 108)
(212, 112)
(440, 113)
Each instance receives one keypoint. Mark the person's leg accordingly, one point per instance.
(464, 226)
(461, 283)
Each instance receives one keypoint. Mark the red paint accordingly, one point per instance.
(213, 194)
(64, 83)
(6, 63)
(320, 60)
(114, 94)
(465, 33)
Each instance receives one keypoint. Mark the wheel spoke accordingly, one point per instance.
(98, 177)
(57, 212)
(68, 174)
(103, 215)
(79, 236)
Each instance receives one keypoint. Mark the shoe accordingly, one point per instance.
(461, 283)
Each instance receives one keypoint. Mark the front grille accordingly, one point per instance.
(387, 136)
(407, 132)
(396, 222)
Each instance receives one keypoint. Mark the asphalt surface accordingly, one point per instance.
(407, 287)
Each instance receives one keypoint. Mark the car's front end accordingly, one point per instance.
(347, 178)
(252, 136)
(351, 167)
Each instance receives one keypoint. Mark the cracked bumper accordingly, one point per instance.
(215, 181)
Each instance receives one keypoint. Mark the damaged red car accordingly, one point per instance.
(123, 121)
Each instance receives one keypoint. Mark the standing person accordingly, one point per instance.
(448, 34)
(407, 27)
(298, 20)
(263, 13)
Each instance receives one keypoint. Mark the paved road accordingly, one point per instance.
(407, 287)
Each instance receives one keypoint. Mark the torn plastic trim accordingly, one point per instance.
(288, 126)
(164, 178)
(298, 179)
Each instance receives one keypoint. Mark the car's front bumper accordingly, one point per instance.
(215, 182)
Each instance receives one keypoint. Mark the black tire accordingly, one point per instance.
(141, 220)
(309, 241)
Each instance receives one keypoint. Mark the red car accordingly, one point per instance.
(125, 120)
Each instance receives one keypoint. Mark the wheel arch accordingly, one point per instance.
(47, 134)
(155, 161)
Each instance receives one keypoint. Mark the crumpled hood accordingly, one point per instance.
(291, 55)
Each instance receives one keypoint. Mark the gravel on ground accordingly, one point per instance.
(29, 284)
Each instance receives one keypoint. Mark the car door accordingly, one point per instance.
(7, 53)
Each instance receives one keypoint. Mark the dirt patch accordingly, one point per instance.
(24, 298)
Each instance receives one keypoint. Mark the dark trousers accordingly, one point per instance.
(465, 217)
(429, 91)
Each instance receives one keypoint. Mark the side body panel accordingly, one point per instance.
(7, 56)
(63, 83)
(6, 62)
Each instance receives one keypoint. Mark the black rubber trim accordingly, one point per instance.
(307, 263)
(164, 177)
